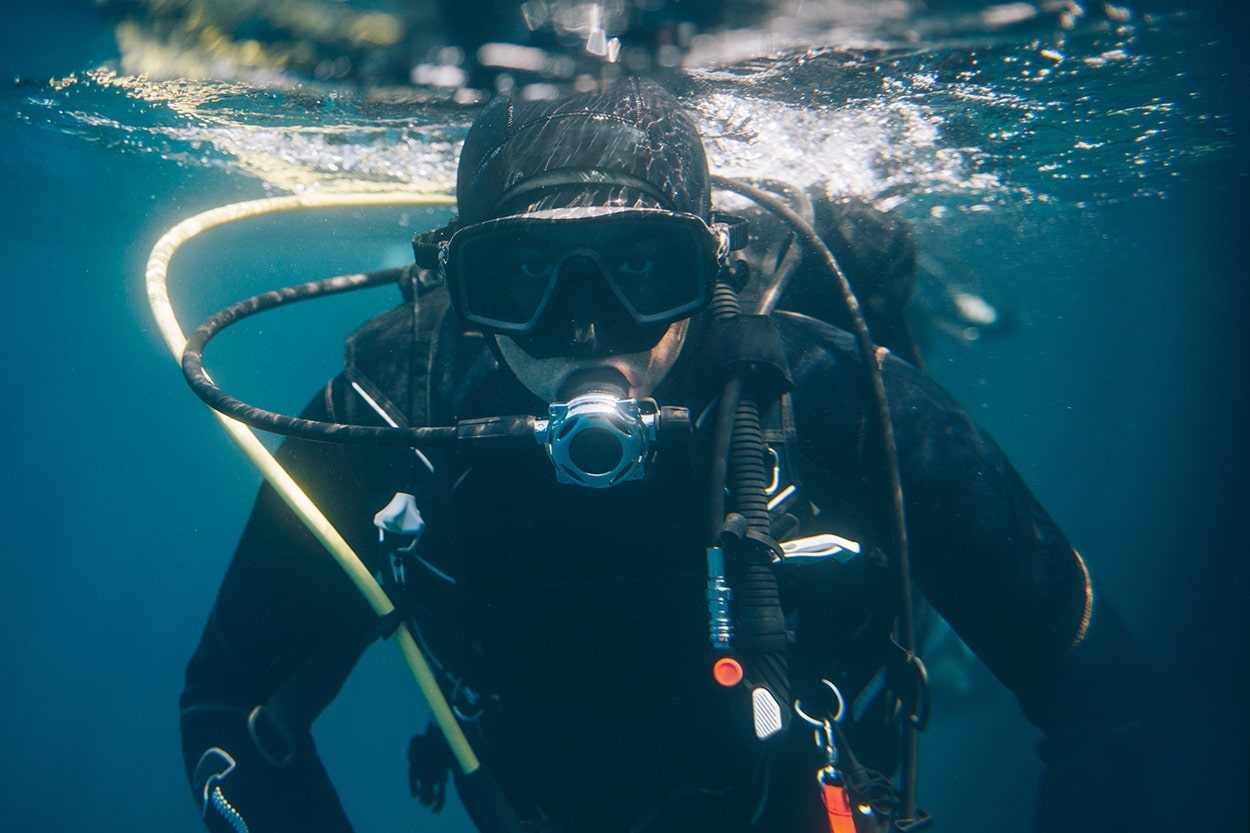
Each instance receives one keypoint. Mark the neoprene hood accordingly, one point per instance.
(630, 145)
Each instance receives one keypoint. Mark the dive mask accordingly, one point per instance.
(660, 265)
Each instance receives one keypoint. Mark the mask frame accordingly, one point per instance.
(599, 231)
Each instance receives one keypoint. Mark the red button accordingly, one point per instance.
(727, 672)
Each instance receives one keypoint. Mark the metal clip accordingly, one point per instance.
(836, 717)
(719, 594)
(824, 735)
(834, 793)
(825, 742)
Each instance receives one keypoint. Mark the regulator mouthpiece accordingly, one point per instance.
(597, 439)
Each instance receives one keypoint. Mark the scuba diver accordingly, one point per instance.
(683, 599)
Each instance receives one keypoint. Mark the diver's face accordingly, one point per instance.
(584, 289)
(546, 373)
(584, 318)
(546, 377)
(584, 326)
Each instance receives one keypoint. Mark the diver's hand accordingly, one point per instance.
(240, 787)
(209, 781)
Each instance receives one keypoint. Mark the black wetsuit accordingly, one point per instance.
(578, 620)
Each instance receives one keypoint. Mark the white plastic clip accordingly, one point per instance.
(767, 713)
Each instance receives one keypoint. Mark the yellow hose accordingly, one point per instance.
(156, 276)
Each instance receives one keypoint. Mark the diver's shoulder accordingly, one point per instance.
(801, 333)
(826, 358)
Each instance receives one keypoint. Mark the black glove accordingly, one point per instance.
(429, 760)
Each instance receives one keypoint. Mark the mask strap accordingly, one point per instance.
(734, 232)
(426, 245)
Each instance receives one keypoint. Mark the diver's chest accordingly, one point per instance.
(505, 530)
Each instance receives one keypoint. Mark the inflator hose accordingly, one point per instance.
(759, 624)
(871, 360)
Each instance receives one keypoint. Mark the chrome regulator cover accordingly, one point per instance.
(599, 440)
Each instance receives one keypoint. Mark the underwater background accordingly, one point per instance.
(1085, 174)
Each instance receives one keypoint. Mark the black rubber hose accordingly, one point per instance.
(220, 401)
(748, 475)
(724, 306)
(868, 352)
(739, 463)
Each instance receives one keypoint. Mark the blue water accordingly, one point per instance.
(1098, 197)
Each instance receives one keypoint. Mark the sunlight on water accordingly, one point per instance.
(291, 140)
(870, 149)
(1094, 116)
(1099, 114)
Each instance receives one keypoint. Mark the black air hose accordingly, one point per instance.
(868, 351)
(759, 625)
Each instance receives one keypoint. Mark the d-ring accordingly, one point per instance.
(837, 717)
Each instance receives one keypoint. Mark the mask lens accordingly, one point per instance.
(659, 268)
(659, 265)
(501, 277)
